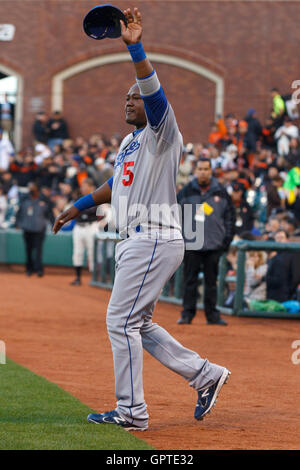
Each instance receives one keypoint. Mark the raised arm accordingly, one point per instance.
(132, 36)
(151, 91)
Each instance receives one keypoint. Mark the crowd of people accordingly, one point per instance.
(257, 162)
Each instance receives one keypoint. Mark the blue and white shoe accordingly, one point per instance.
(207, 398)
(113, 417)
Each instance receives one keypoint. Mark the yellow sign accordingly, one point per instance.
(207, 208)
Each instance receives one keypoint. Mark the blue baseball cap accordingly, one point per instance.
(103, 21)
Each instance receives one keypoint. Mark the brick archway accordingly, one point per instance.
(57, 91)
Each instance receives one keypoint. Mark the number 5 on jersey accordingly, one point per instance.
(127, 173)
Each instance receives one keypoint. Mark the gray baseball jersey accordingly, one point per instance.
(145, 176)
(144, 181)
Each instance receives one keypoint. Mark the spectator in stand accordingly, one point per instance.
(230, 121)
(41, 151)
(254, 129)
(246, 179)
(40, 128)
(215, 158)
(271, 227)
(86, 157)
(255, 276)
(215, 135)
(231, 258)
(268, 132)
(278, 108)
(49, 174)
(243, 212)
(283, 136)
(65, 190)
(229, 158)
(80, 172)
(9, 185)
(272, 173)
(295, 206)
(6, 152)
(58, 130)
(197, 150)
(24, 170)
(261, 163)
(112, 150)
(230, 137)
(33, 217)
(294, 151)
(245, 145)
(61, 162)
(275, 194)
(292, 180)
(100, 172)
(279, 276)
(289, 224)
(79, 143)
(185, 170)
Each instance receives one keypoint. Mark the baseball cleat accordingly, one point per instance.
(113, 417)
(207, 398)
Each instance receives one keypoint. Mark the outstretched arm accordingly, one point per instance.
(102, 195)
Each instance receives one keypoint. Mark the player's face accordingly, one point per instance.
(203, 172)
(134, 108)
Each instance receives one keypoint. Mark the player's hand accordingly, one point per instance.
(65, 217)
(133, 33)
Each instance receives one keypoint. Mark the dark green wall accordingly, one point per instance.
(57, 250)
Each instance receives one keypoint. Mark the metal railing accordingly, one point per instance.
(104, 272)
(243, 247)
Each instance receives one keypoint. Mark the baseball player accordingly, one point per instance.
(144, 176)
(87, 225)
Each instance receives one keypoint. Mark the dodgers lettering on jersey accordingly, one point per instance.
(128, 151)
(144, 182)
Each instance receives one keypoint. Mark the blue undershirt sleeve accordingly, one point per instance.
(110, 182)
(155, 107)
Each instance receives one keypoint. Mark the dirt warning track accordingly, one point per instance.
(59, 332)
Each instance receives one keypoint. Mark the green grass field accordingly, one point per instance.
(36, 414)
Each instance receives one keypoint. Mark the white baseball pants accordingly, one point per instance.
(83, 241)
(143, 266)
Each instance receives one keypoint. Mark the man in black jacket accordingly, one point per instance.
(35, 212)
(219, 226)
(58, 130)
(40, 128)
(254, 128)
(281, 273)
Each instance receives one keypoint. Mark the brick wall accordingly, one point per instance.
(253, 46)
